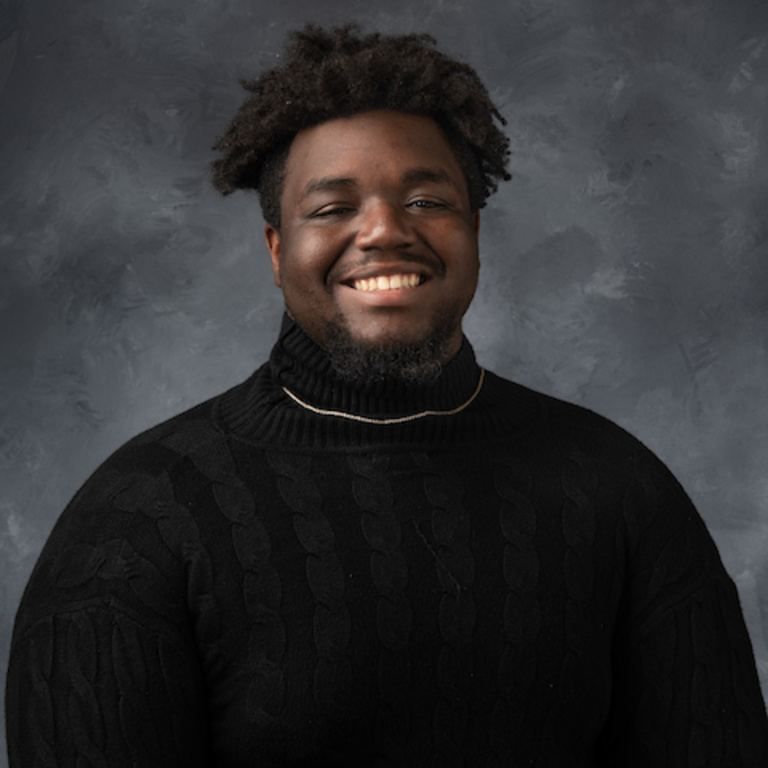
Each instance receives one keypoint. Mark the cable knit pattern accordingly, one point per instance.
(579, 481)
(454, 565)
(522, 613)
(331, 677)
(375, 497)
(252, 584)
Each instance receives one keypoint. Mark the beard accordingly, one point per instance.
(419, 361)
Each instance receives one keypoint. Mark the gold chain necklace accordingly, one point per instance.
(394, 420)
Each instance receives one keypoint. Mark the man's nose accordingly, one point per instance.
(383, 225)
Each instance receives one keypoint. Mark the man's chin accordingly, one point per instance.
(362, 360)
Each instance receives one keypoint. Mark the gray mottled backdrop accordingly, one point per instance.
(624, 268)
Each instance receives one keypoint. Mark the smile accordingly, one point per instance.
(388, 282)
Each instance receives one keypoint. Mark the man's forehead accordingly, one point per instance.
(378, 144)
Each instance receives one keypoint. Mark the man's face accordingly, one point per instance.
(377, 235)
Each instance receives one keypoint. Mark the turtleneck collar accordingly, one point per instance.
(301, 366)
(260, 410)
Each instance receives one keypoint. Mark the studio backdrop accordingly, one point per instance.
(624, 268)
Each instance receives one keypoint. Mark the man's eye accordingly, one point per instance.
(332, 210)
(425, 204)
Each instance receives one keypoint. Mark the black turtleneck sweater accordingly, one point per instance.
(254, 584)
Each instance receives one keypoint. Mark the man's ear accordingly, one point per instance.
(272, 236)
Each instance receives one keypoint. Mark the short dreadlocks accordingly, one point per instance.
(339, 73)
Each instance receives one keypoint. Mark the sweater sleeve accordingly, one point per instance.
(686, 692)
(94, 685)
(105, 667)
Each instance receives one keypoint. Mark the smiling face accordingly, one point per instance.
(377, 236)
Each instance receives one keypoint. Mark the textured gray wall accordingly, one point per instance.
(624, 268)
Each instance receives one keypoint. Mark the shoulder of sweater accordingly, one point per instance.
(121, 535)
(588, 440)
(137, 475)
(562, 419)
(597, 462)
(161, 447)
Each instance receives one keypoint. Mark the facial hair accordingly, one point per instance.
(421, 361)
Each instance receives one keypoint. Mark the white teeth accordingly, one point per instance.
(387, 282)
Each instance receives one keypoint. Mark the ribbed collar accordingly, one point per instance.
(260, 410)
(305, 369)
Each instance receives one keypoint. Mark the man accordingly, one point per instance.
(373, 552)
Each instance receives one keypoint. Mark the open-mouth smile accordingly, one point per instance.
(396, 282)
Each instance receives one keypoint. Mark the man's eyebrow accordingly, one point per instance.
(427, 174)
(347, 182)
(330, 182)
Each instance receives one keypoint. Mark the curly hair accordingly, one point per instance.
(340, 73)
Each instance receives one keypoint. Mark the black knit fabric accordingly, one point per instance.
(252, 584)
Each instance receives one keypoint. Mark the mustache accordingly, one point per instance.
(430, 262)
